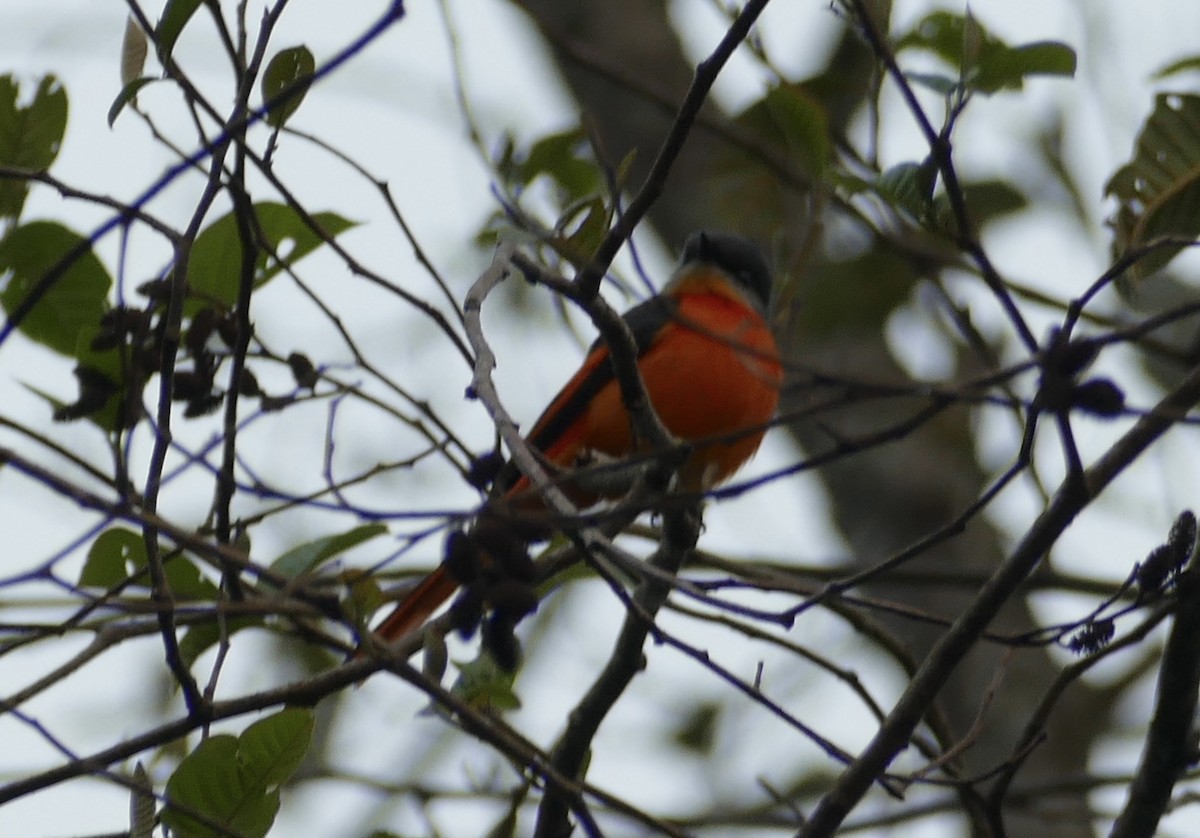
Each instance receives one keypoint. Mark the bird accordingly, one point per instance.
(712, 371)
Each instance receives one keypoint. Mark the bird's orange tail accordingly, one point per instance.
(418, 606)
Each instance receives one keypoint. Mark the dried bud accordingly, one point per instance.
(1153, 572)
(248, 384)
(302, 370)
(484, 469)
(156, 289)
(95, 389)
(117, 324)
(1099, 396)
(1092, 637)
(1182, 539)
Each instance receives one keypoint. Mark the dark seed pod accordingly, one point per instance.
(273, 404)
(227, 328)
(145, 359)
(515, 599)
(156, 289)
(248, 384)
(1100, 397)
(95, 389)
(1073, 358)
(516, 565)
(461, 557)
(510, 553)
(105, 340)
(529, 527)
(1182, 539)
(203, 405)
(201, 329)
(187, 386)
(302, 370)
(484, 469)
(1153, 572)
(501, 643)
(115, 325)
(466, 611)
(1092, 637)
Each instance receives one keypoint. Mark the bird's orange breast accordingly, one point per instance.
(712, 373)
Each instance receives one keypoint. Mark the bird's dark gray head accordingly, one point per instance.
(737, 257)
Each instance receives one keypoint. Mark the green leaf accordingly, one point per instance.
(793, 119)
(992, 199)
(943, 85)
(294, 65)
(941, 33)
(118, 553)
(985, 63)
(201, 637)
(1158, 191)
(857, 295)
(801, 124)
(909, 187)
(175, 16)
(1007, 68)
(697, 730)
(71, 307)
(234, 781)
(30, 136)
(215, 266)
(273, 748)
(206, 780)
(1183, 65)
(114, 554)
(565, 158)
(307, 557)
(364, 594)
(128, 94)
(987, 200)
(849, 184)
(586, 223)
(485, 684)
(185, 578)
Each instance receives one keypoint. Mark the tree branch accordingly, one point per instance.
(1072, 497)
(1171, 741)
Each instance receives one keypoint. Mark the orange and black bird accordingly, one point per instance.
(711, 369)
